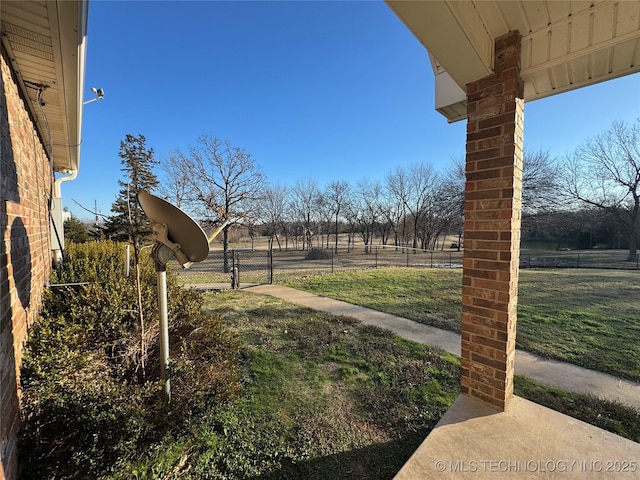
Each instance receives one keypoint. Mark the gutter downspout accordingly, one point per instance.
(56, 217)
(56, 185)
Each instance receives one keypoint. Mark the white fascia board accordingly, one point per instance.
(71, 24)
(447, 91)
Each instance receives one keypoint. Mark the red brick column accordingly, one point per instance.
(492, 227)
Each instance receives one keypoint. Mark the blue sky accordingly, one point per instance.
(325, 90)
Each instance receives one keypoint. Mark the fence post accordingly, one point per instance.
(331, 260)
(238, 270)
(407, 257)
(270, 260)
(377, 248)
(235, 271)
(578, 261)
(431, 258)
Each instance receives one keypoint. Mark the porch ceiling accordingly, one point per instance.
(46, 44)
(565, 44)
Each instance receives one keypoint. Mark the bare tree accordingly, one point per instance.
(383, 225)
(580, 227)
(414, 188)
(175, 185)
(397, 187)
(273, 208)
(539, 182)
(443, 215)
(435, 214)
(454, 186)
(539, 187)
(304, 205)
(604, 172)
(393, 212)
(324, 216)
(364, 210)
(224, 182)
(336, 196)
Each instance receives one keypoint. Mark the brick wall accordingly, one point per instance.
(25, 255)
(492, 227)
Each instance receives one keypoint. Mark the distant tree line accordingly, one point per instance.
(589, 199)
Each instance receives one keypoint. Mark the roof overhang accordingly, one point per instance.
(565, 44)
(46, 44)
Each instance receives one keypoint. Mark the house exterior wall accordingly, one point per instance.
(25, 254)
(493, 201)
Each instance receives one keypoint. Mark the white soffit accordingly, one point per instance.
(565, 44)
(46, 45)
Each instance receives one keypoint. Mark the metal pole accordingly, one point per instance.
(161, 254)
(235, 270)
(164, 334)
(331, 261)
(127, 260)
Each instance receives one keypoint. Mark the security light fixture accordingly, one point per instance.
(98, 92)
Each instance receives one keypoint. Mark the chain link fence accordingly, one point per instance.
(219, 271)
(603, 259)
(245, 267)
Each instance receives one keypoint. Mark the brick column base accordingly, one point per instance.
(492, 211)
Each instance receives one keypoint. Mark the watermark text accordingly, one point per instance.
(536, 466)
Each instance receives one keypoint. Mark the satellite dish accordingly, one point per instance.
(181, 229)
(177, 235)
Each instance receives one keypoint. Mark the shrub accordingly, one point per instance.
(318, 254)
(75, 231)
(86, 404)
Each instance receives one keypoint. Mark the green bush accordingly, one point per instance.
(75, 231)
(86, 403)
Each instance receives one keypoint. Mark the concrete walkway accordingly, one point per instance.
(552, 373)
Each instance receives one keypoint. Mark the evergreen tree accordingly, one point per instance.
(75, 231)
(128, 222)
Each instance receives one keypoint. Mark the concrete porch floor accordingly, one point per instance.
(528, 441)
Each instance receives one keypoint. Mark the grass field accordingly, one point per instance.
(338, 375)
(586, 317)
(323, 397)
(326, 397)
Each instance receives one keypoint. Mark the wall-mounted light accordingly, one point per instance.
(99, 93)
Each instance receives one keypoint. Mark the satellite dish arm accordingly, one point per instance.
(219, 229)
